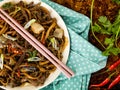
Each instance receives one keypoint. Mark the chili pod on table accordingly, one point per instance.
(104, 82)
(113, 66)
(115, 81)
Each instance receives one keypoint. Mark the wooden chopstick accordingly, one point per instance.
(36, 44)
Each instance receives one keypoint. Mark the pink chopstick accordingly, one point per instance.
(36, 44)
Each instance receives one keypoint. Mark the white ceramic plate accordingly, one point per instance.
(61, 23)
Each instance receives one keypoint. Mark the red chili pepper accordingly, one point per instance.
(18, 73)
(43, 41)
(104, 82)
(113, 66)
(14, 50)
(9, 48)
(115, 81)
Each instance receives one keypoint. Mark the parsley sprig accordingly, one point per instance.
(104, 26)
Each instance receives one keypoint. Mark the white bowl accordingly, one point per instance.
(61, 24)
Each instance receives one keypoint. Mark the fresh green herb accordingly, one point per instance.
(54, 43)
(96, 28)
(9, 37)
(104, 26)
(34, 59)
(33, 53)
(92, 27)
(7, 5)
(116, 1)
(104, 21)
(109, 41)
(112, 50)
(33, 56)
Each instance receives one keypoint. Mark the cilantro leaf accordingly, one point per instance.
(112, 50)
(104, 31)
(33, 53)
(109, 41)
(99, 29)
(104, 21)
(114, 29)
(118, 17)
(96, 28)
(104, 26)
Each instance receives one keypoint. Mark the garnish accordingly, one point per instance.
(54, 43)
(33, 53)
(33, 56)
(7, 5)
(29, 23)
(116, 1)
(9, 37)
(34, 59)
(104, 26)
(92, 27)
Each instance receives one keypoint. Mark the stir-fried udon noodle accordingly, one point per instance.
(20, 63)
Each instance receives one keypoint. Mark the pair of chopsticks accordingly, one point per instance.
(36, 44)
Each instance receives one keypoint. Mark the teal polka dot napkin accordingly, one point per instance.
(84, 58)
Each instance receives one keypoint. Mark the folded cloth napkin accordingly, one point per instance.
(84, 58)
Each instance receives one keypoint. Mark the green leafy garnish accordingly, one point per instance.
(109, 41)
(104, 26)
(34, 59)
(33, 56)
(91, 16)
(54, 43)
(112, 50)
(33, 53)
(96, 28)
(104, 21)
(7, 5)
(116, 1)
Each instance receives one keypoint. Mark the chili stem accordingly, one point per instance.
(116, 37)
(103, 83)
(112, 67)
(115, 81)
(91, 15)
